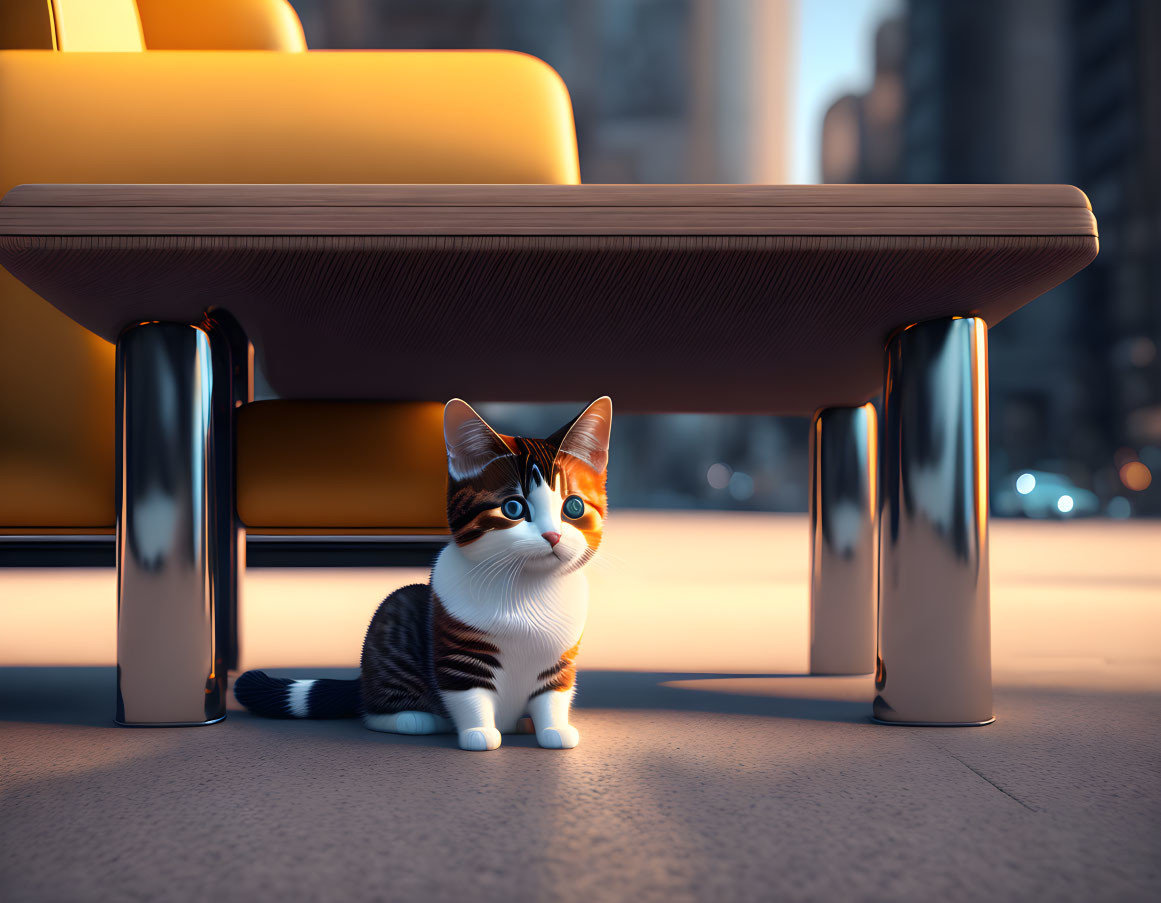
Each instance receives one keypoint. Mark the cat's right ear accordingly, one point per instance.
(471, 444)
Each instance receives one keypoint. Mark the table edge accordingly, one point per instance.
(306, 222)
(599, 195)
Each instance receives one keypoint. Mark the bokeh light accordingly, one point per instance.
(1120, 507)
(1123, 456)
(741, 486)
(1025, 483)
(1136, 476)
(1064, 504)
(1142, 351)
(718, 475)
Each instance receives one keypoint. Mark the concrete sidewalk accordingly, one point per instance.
(709, 768)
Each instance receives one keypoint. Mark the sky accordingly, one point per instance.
(836, 57)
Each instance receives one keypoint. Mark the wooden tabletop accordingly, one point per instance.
(693, 297)
(548, 210)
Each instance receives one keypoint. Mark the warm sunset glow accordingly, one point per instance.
(649, 612)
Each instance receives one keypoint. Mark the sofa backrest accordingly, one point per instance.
(106, 26)
(182, 114)
(221, 25)
(78, 26)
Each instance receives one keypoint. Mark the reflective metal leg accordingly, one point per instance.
(844, 540)
(233, 355)
(934, 656)
(169, 475)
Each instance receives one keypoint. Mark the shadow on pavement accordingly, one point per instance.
(86, 695)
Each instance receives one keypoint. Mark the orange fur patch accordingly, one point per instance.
(562, 675)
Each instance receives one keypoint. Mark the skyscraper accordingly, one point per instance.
(1046, 91)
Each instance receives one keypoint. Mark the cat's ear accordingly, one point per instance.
(587, 437)
(471, 444)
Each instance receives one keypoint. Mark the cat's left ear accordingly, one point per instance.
(471, 444)
(587, 437)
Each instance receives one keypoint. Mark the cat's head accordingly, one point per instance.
(541, 501)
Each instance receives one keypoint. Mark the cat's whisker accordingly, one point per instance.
(477, 573)
(508, 589)
(487, 577)
(492, 575)
(487, 561)
(507, 593)
(603, 551)
(604, 560)
(500, 573)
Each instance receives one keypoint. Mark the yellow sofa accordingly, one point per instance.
(223, 91)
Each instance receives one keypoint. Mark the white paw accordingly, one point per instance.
(406, 723)
(563, 737)
(415, 723)
(478, 739)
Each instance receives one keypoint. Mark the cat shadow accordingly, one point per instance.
(87, 696)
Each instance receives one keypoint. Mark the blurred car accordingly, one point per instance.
(1039, 493)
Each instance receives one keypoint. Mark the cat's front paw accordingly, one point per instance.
(562, 737)
(479, 739)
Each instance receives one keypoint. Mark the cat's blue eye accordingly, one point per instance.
(574, 507)
(513, 508)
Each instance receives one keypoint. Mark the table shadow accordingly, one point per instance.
(86, 695)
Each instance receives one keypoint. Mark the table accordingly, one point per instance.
(770, 299)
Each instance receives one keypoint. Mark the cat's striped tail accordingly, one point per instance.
(282, 697)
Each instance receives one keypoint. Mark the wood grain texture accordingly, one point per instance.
(66, 195)
(546, 210)
(770, 323)
(439, 220)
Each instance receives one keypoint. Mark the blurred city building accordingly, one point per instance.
(862, 136)
(1041, 91)
(662, 90)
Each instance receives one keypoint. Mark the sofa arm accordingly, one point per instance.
(241, 116)
(220, 25)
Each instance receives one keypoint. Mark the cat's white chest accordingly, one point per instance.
(517, 678)
(533, 621)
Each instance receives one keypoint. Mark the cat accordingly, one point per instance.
(489, 645)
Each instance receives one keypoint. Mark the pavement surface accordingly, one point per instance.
(710, 768)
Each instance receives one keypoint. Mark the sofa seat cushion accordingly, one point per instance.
(57, 440)
(52, 490)
(326, 466)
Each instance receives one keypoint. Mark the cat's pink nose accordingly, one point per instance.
(553, 538)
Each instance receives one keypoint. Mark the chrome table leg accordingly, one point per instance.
(844, 540)
(233, 356)
(934, 652)
(169, 476)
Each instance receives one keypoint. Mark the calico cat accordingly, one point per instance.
(493, 637)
